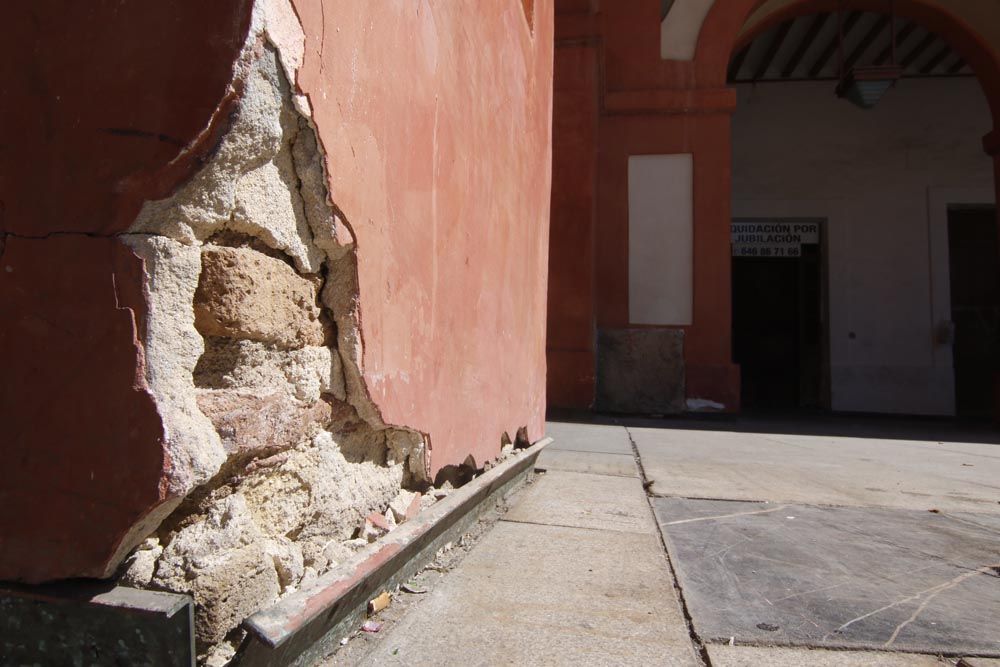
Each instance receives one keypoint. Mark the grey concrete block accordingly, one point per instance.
(589, 438)
(979, 662)
(640, 371)
(580, 500)
(594, 463)
(94, 623)
(525, 596)
(836, 577)
(781, 466)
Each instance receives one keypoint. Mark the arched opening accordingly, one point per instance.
(864, 241)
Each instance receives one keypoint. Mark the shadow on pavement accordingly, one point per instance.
(848, 425)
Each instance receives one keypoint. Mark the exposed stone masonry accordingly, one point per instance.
(252, 354)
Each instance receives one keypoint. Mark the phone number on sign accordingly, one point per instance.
(771, 251)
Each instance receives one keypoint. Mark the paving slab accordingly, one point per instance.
(545, 595)
(754, 656)
(821, 469)
(595, 463)
(588, 438)
(979, 662)
(580, 500)
(861, 578)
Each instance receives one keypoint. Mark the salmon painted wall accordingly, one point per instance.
(436, 121)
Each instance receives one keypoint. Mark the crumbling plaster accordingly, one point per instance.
(252, 348)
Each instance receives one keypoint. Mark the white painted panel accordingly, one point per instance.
(680, 29)
(660, 239)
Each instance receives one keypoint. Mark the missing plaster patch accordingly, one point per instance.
(254, 351)
(529, 13)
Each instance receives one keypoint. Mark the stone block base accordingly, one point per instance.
(640, 371)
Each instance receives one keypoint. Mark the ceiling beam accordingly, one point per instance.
(831, 48)
(737, 64)
(936, 59)
(918, 50)
(901, 35)
(772, 49)
(814, 29)
(877, 29)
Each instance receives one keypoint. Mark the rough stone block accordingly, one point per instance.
(247, 295)
(233, 588)
(640, 371)
(262, 424)
(405, 506)
(225, 564)
(254, 367)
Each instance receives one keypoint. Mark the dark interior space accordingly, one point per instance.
(975, 307)
(777, 330)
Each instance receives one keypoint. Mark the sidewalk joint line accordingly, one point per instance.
(700, 650)
(563, 525)
(585, 472)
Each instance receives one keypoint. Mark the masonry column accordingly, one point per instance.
(711, 374)
(570, 333)
(688, 287)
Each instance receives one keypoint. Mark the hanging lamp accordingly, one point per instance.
(865, 85)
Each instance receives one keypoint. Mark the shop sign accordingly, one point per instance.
(772, 239)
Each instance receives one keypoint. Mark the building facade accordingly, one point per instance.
(728, 233)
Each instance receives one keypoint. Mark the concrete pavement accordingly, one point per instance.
(843, 533)
(780, 465)
(837, 577)
(786, 544)
(574, 574)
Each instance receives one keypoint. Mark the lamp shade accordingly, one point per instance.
(865, 86)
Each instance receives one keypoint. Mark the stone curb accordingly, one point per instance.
(307, 625)
(94, 622)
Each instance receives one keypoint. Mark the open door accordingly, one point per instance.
(777, 313)
(975, 307)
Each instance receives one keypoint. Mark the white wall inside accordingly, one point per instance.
(884, 179)
(660, 239)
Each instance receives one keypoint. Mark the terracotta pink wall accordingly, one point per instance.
(436, 120)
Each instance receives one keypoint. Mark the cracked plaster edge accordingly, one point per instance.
(277, 23)
(172, 347)
(282, 27)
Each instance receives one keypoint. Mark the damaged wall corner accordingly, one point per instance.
(82, 433)
(252, 347)
(234, 338)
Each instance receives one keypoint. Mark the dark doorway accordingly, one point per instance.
(975, 306)
(777, 329)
